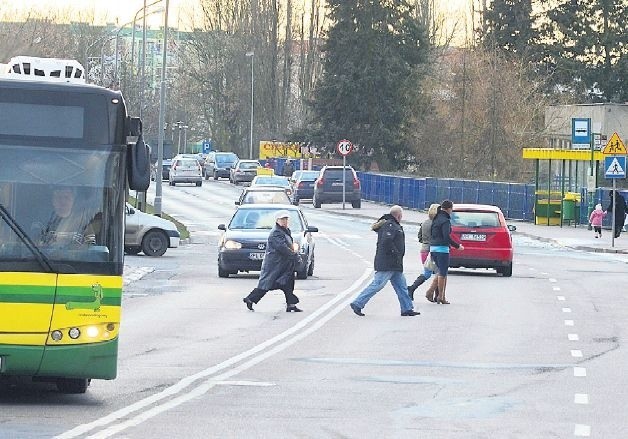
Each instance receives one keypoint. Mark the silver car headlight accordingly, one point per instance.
(232, 245)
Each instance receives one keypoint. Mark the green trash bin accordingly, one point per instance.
(569, 210)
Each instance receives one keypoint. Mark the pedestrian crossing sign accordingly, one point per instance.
(615, 167)
(614, 146)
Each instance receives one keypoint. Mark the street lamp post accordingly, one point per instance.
(162, 111)
(252, 55)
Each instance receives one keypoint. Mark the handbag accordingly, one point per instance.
(429, 264)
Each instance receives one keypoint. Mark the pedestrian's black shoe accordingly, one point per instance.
(410, 313)
(249, 303)
(293, 308)
(357, 310)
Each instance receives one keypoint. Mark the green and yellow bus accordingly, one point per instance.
(68, 155)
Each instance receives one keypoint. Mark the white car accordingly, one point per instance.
(185, 170)
(148, 233)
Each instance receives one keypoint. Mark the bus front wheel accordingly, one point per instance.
(72, 385)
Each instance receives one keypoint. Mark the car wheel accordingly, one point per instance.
(72, 385)
(310, 271)
(206, 176)
(132, 250)
(506, 271)
(199, 183)
(215, 176)
(356, 204)
(222, 273)
(155, 243)
(315, 202)
(295, 201)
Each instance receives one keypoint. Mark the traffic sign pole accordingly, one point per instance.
(344, 148)
(614, 215)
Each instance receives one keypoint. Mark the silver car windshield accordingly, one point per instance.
(263, 219)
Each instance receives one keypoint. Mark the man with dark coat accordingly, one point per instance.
(617, 206)
(278, 266)
(391, 247)
(288, 169)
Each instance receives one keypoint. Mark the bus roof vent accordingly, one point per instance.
(45, 69)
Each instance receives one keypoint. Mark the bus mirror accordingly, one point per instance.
(138, 166)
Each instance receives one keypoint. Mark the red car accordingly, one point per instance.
(483, 232)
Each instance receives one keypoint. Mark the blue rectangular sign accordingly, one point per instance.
(615, 166)
(580, 131)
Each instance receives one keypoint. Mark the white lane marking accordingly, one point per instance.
(556, 288)
(544, 273)
(573, 337)
(551, 279)
(566, 309)
(136, 274)
(568, 322)
(295, 333)
(244, 383)
(579, 371)
(576, 353)
(582, 430)
(561, 298)
(581, 398)
(532, 268)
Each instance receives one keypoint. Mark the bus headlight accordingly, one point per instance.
(92, 331)
(74, 333)
(56, 335)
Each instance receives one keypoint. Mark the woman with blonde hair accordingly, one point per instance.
(425, 237)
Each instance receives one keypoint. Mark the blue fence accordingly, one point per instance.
(516, 200)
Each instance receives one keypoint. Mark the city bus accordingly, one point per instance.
(69, 154)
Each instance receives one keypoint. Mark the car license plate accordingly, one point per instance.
(256, 256)
(336, 184)
(473, 237)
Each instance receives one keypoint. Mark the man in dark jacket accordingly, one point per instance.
(391, 247)
(278, 265)
(617, 206)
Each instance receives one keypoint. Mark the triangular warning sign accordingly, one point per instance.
(615, 168)
(615, 146)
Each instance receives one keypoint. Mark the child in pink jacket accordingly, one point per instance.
(596, 220)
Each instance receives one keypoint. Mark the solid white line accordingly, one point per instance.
(179, 387)
(582, 430)
(561, 298)
(573, 337)
(566, 309)
(207, 385)
(581, 398)
(551, 279)
(568, 322)
(576, 353)
(579, 371)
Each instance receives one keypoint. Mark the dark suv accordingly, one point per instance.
(219, 164)
(328, 187)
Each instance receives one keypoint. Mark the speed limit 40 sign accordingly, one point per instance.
(344, 147)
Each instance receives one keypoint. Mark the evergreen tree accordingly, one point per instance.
(587, 48)
(509, 27)
(372, 54)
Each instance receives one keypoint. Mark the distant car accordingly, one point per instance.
(148, 233)
(329, 187)
(165, 170)
(263, 195)
(486, 238)
(242, 246)
(219, 164)
(185, 170)
(272, 181)
(244, 171)
(303, 185)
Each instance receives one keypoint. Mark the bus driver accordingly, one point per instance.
(66, 226)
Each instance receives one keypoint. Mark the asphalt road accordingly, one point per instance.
(538, 355)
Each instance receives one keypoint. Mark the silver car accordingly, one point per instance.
(148, 233)
(185, 170)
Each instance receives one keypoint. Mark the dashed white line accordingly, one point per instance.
(551, 279)
(556, 288)
(568, 322)
(576, 353)
(561, 298)
(579, 371)
(573, 337)
(582, 430)
(566, 309)
(581, 398)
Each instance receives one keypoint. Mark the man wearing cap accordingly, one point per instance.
(278, 266)
(389, 253)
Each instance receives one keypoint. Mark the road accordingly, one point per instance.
(538, 355)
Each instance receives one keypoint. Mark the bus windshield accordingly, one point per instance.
(58, 198)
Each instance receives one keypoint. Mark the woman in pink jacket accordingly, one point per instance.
(596, 220)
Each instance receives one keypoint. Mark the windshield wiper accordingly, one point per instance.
(17, 229)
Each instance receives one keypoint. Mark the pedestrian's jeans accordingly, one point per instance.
(398, 282)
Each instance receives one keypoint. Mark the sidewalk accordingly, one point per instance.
(578, 238)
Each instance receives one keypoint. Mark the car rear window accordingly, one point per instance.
(334, 174)
(248, 165)
(474, 219)
(310, 175)
(187, 163)
(226, 158)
